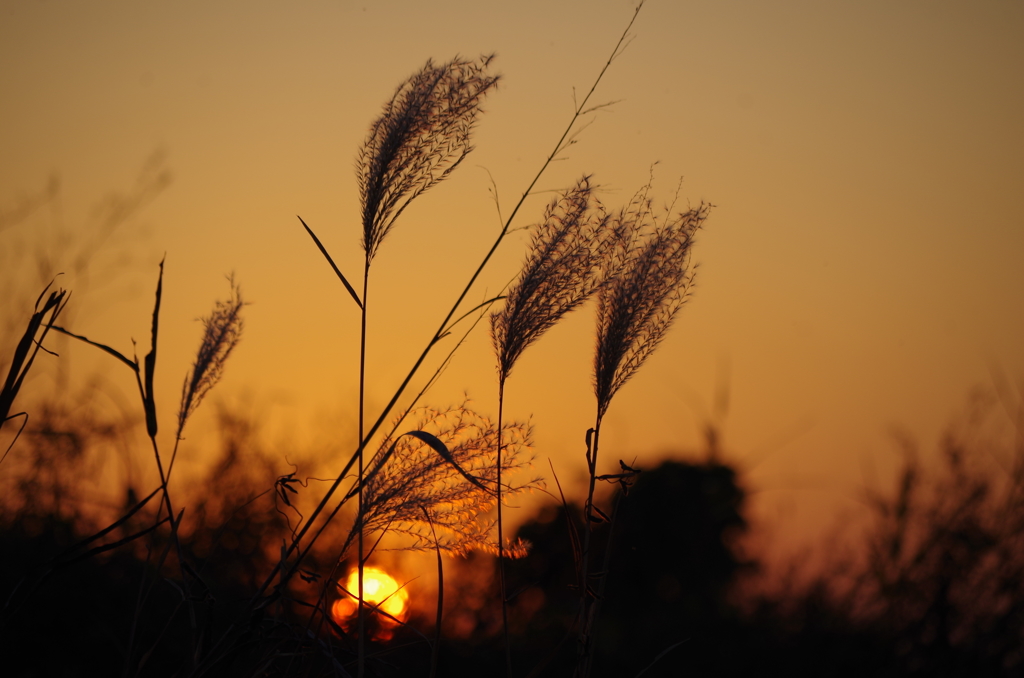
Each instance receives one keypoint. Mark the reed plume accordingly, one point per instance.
(403, 485)
(222, 330)
(650, 277)
(559, 273)
(422, 135)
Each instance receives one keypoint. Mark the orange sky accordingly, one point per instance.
(860, 270)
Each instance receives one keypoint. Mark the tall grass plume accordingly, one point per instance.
(650, 278)
(422, 135)
(222, 330)
(405, 484)
(558, 275)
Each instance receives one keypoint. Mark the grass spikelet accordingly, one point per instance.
(517, 548)
(414, 481)
(222, 330)
(559, 273)
(422, 135)
(650, 275)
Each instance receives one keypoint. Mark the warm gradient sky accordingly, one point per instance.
(861, 269)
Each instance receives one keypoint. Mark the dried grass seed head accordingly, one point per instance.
(222, 330)
(415, 481)
(645, 290)
(422, 135)
(562, 269)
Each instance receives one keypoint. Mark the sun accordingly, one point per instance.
(387, 600)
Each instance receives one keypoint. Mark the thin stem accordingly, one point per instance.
(595, 607)
(435, 651)
(156, 453)
(585, 647)
(501, 537)
(360, 616)
(175, 524)
(174, 455)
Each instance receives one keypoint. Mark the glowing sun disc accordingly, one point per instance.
(379, 589)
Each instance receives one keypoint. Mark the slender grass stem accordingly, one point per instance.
(595, 606)
(175, 523)
(360, 614)
(501, 538)
(435, 649)
(585, 641)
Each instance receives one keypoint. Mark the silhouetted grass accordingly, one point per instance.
(444, 475)
(235, 573)
(936, 592)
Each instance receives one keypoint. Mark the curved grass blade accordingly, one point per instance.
(660, 655)
(149, 400)
(483, 304)
(434, 443)
(108, 529)
(17, 435)
(442, 449)
(337, 271)
(103, 347)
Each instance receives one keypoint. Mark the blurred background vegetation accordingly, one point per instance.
(934, 586)
(930, 583)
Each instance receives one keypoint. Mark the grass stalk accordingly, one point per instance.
(584, 647)
(435, 649)
(649, 277)
(501, 539)
(360, 613)
(595, 604)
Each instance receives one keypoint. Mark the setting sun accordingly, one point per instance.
(381, 591)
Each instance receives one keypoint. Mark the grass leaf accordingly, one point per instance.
(103, 347)
(149, 401)
(337, 271)
(435, 444)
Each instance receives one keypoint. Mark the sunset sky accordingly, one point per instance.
(861, 269)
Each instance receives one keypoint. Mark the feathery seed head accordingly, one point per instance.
(422, 135)
(415, 479)
(650, 275)
(222, 330)
(560, 272)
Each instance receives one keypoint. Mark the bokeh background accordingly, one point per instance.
(859, 274)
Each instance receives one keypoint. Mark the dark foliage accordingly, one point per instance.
(939, 594)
